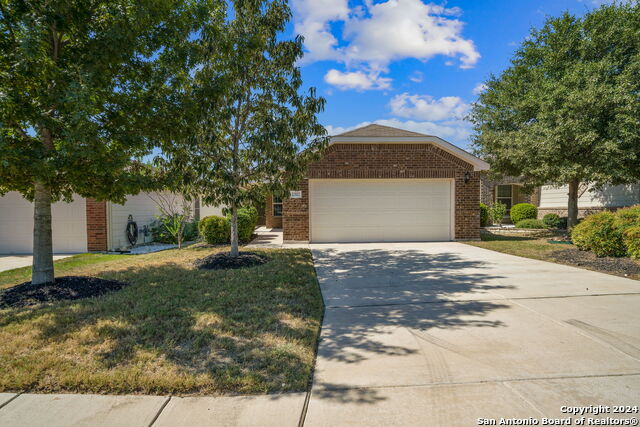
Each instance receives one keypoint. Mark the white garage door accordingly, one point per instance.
(16, 225)
(400, 210)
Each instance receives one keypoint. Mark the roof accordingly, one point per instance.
(387, 134)
(379, 130)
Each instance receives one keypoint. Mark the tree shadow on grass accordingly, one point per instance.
(185, 330)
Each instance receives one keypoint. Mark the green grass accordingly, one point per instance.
(528, 247)
(175, 329)
(538, 248)
(62, 266)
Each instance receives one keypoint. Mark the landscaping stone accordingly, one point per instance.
(64, 288)
(223, 261)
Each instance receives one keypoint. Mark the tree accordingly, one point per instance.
(566, 111)
(248, 129)
(76, 81)
(176, 212)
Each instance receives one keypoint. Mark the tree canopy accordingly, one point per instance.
(77, 81)
(567, 109)
(251, 130)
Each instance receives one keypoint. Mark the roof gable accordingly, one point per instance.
(380, 131)
(387, 134)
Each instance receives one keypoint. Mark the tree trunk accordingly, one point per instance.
(234, 231)
(572, 209)
(42, 271)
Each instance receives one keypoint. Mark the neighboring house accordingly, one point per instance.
(378, 183)
(554, 199)
(80, 226)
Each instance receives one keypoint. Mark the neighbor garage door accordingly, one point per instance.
(354, 210)
(16, 225)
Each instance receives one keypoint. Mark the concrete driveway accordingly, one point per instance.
(442, 334)
(9, 262)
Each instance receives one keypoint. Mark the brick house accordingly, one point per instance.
(378, 183)
(554, 199)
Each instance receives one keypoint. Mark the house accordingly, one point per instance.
(379, 183)
(81, 225)
(554, 199)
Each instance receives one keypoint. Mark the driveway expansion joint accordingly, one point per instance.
(479, 300)
(10, 400)
(164, 405)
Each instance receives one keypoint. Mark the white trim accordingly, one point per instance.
(478, 164)
(452, 207)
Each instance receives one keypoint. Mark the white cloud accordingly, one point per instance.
(312, 18)
(358, 80)
(417, 77)
(480, 87)
(457, 132)
(375, 34)
(425, 107)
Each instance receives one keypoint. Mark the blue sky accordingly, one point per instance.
(412, 63)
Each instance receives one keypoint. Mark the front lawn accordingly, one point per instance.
(540, 248)
(176, 329)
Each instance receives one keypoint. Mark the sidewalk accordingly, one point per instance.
(272, 238)
(65, 410)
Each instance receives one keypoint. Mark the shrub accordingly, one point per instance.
(551, 220)
(599, 234)
(497, 211)
(631, 238)
(247, 221)
(523, 211)
(484, 215)
(191, 231)
(627, 217)
(530, 223)
(166, 229)
(563, 222)
(215, 229)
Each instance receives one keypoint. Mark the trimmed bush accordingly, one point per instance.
(564, 221)
(551, 220)
(215, 229)
(631, 237)
(627, 217)
(523, 211)
(247, 221)
(599, 234)
(530, 223)
(484, 215)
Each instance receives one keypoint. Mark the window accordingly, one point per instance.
(504, 194)
(277, 206)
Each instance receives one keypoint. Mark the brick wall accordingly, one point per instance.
(295, 222)
(96, 225)
(270, 220)
(390, 161)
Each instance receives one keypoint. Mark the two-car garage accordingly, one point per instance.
(367, 210)
(383, 184)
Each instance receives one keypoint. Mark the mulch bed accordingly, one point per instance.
(64, 288)
(619, 266)
(223, 261)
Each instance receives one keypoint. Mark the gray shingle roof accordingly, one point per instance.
(379, 130)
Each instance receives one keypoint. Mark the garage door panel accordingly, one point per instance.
(380, 210)
(16, 225)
